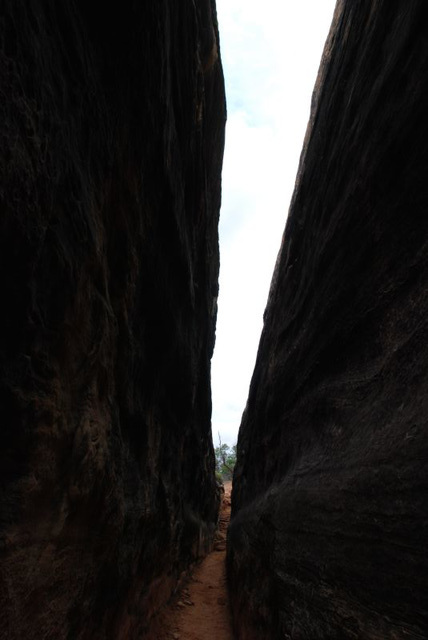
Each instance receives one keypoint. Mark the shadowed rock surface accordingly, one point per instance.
(329, 528)
(112, 132)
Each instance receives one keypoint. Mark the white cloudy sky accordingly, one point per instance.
(271, 52)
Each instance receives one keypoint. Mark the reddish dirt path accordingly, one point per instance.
(201, 609)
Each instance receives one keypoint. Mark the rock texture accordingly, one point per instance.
(329, 533)
(112, 131)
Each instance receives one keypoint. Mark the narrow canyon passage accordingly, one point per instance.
(112, 122)
(200, 610)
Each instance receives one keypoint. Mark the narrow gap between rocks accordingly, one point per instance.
(200, 610)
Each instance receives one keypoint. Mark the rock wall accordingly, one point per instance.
(329, 536)
(112, 130)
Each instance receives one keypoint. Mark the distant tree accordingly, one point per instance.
(225, 459)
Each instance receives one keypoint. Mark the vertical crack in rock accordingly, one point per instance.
(329, 525)
(112, 134)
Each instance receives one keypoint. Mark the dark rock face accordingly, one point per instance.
(329, 533)
(112, 129)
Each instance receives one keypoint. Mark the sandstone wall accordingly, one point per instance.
(329, 533)
(112, 130)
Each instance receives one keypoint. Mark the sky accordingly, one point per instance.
(271, 52)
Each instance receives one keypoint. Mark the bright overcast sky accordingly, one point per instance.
(271, 52)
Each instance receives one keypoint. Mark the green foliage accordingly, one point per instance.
(218, 477)
(225, 457)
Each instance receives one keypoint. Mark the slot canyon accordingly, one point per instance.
(112, 523)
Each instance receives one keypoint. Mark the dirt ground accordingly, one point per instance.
(201, 610)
